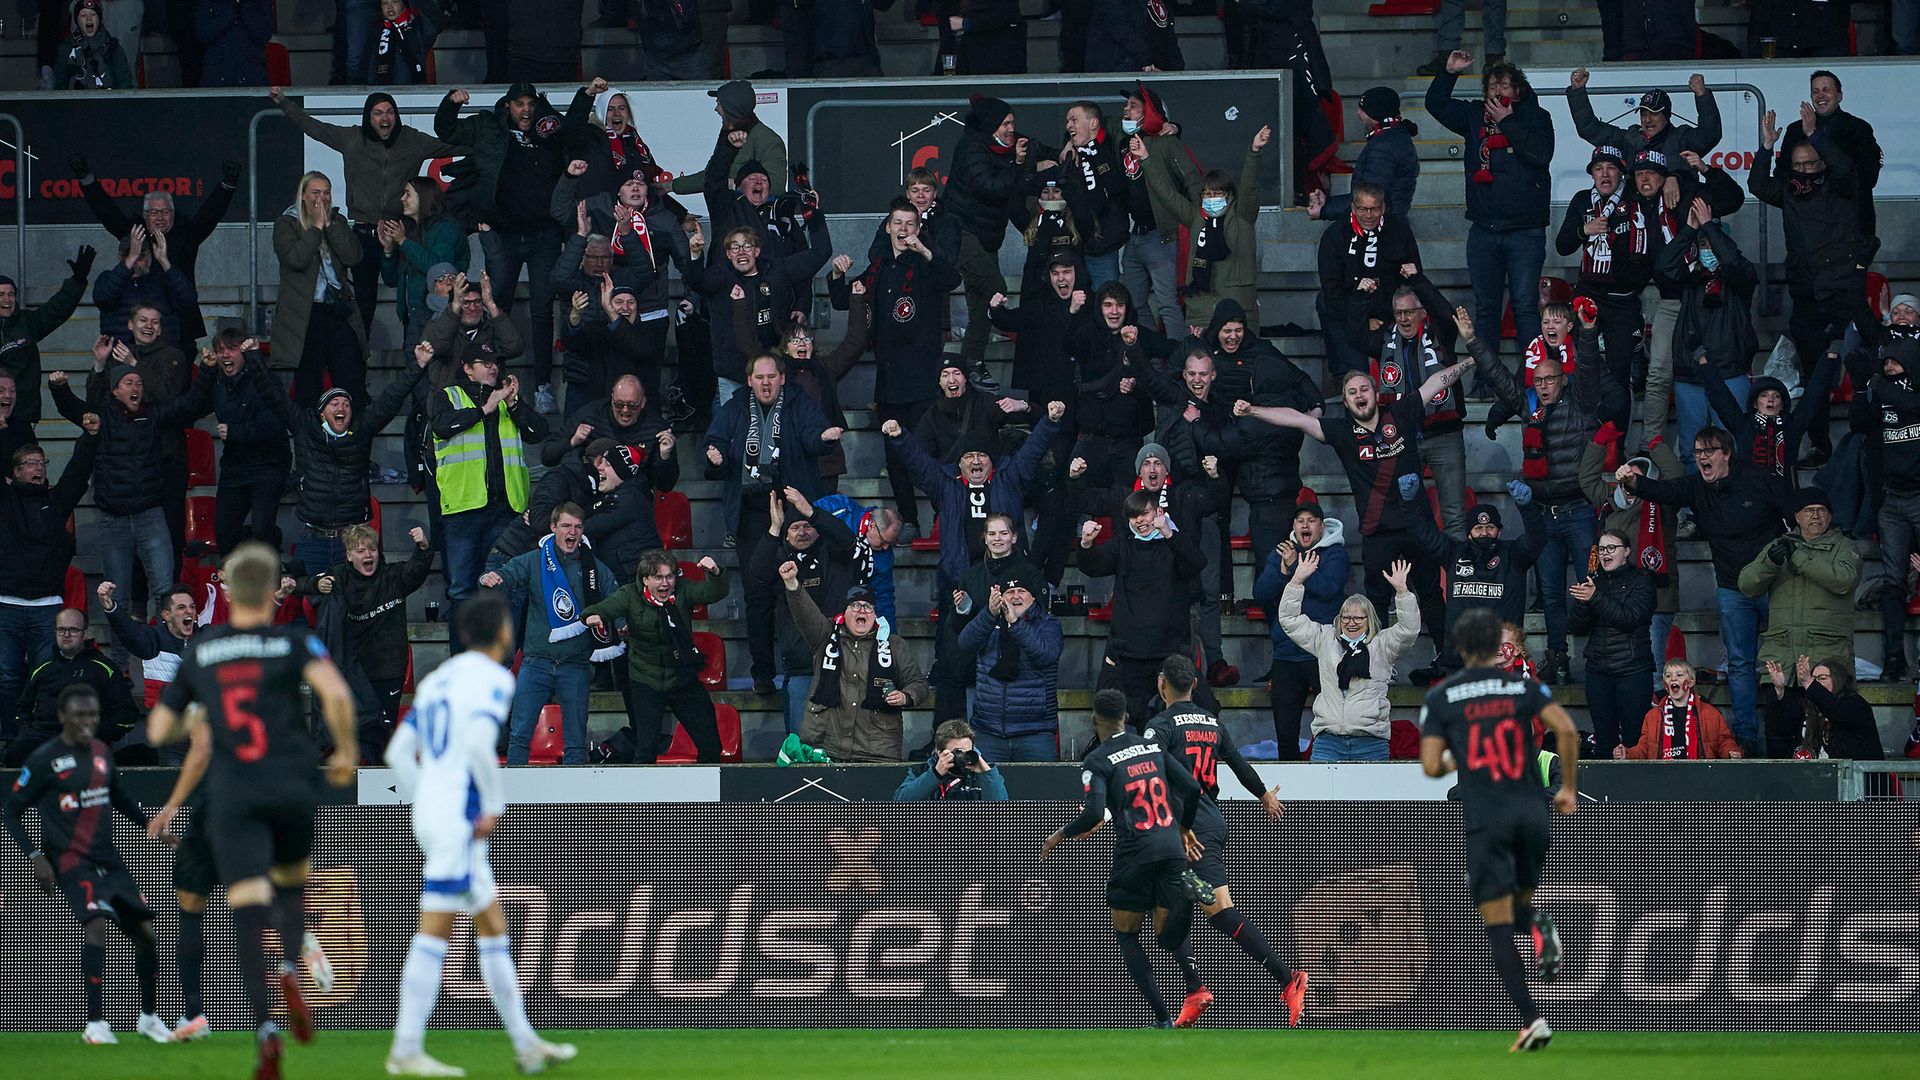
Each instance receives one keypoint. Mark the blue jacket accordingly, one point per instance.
(1006, 493)
(851, 514)
(1027, 705)
(801, 423)
(1326, 589)
(235, 36)
(1517, 197)
(923, 785)
(1388, 159)
(1123, 36)
(116, 292)
(520, 577)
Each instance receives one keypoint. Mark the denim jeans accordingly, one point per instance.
(1570, 535)
(507, 252)
(564, 682)
(319, 553)
(1146, 266)
(1691, 413)
(1446, 455)
(352, 25)
(26, 641)
(141, 536)
(1502, 263)
(1000, 749)
(1616, 704)
(1742, 617)
(1453, 19)
(469, 534)
(799, 688)
(1104, 268)
(1330, 747)
(1662, 628)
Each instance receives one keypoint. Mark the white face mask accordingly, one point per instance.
(1053, 205)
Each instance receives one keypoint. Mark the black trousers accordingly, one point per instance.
(953, 673)
(1377, 555)
(909, 414)
(1294, 684)
(691, 705)
(1819, 319)
(1623, 327)
(761, 594)
(258, 501)
(1053, 538)
(998, 51)
(376, 727)
(333, 349)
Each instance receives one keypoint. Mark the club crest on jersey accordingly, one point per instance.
(1157, 11)
(903, 309)
(563, 604)
(1493, 563)
(1132, 166)
(546, 126)
(1388, 432)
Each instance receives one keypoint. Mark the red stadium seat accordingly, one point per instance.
(279, 65)
(1103, 613)
(199, 457)
(673, 516)
(200, 510)
(929, 542)
(548, 743)
(1394, 9)
(74, 594)
(682, 752)
(694, 572)
(713, 649)
(373, 513)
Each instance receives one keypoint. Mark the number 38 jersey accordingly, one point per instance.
(1486, 715)
(249, 682)
(1147, 795)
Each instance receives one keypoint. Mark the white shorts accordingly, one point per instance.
(456, 876)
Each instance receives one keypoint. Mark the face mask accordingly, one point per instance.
(1353, 639)
(1053, 205)
(1214, 205)
(1484, 543)
(1131, 127)
(1000, 141)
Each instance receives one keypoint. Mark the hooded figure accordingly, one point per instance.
(601, 128)
(986, 180)
(398, 45)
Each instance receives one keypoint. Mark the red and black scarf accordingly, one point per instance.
(1491, 139)
(1770, 443)
(638, 219)
(1650, 538)
(1533, 443)
(1540, 350)
(680, 646)
(1682, 739)
(1405, 363)
(1598, 256)
(1164, 495)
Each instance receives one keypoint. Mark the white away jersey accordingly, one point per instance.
(443, 755)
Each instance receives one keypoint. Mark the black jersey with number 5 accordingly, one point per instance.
(249, 682)
(1486, 715)
(1151, 799)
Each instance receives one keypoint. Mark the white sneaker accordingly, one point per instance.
(421, 1065)
(317, 963)
(154, 1028)
(192, 1028)
(1534, 1036)
(537, 1057)
(98, 1033)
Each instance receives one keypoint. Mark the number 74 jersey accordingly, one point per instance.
(1487, 717)
(249, 683)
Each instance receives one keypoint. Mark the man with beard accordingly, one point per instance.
(332, 450)
(963, 499)
(1888, 417)
(33, 528)
(822, 547)
(1483, 571)
(380, 154)
(513, 161)
(1611, 232)
(960, 411)
(159, 217)
(763, 441)
(1416, 344)
(627, 417)
(1376, 447)
(22, 330)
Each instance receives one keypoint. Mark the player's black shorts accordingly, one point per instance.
(1505, 851)
(194, 870)
(1143, 886)
(1211, 866)
(253, 833)
(94, 889)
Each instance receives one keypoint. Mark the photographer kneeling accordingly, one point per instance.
(955, 771)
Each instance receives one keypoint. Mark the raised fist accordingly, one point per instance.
(891, 429)
(1056, 410)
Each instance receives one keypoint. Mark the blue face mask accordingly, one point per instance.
(1131, 127)
(1214, 205)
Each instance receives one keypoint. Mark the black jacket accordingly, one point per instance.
(1347, 257)
(1103, 363)
(1624, 271)
(1518, 194)
(939, 230)
(1590, 398)
(183, 240)
(332, 485)
(376, 610)
(1616, 620)
(778, 287)
(620, 526)
(1739, 514)
(946, 420)
(33, 527)
(1130, 35)
(37, 718)
(448, 420)
(1044, 323)
(800, 442)
(1267, 458)
(599, 416)
(488, 139)
(1854, 137)
(1099, 206)
(563, 483)
(1481, 575)
(1822, 227)
(1888, 417)
(20, 337)
(1699, 138)
(127, 478)
(633, 266)
(827, 571)
(1153, 585)
(906, 295)
(253, 404)
(1716, 309)
(985, 185)
(1233, 372)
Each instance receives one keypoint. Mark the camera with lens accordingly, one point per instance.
(965, 760)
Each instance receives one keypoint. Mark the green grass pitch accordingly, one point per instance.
(1053, 1055)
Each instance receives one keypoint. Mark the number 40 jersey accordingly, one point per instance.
(249, 682)
(1487, 717)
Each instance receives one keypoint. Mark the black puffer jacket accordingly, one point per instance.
(333, 468)
(1615, 622)
(620, 526)
(986, 183)
(33, 527)
(1043, 322)
(1822, 227)
(1267, 458)
(376, 612)
(128, 478)
(1233, 371)
(253, 404)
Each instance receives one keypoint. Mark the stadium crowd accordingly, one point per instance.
(1146, 410)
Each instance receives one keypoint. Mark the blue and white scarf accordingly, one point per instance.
(563, 608)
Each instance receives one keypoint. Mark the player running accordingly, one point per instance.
(193, 880)
(1128, 775)
(1193, 737)
(261, 803)
(443, 760)
(71, 781)
(1488, 713)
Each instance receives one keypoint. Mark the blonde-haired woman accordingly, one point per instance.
(1356, 657)
(315, 321)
